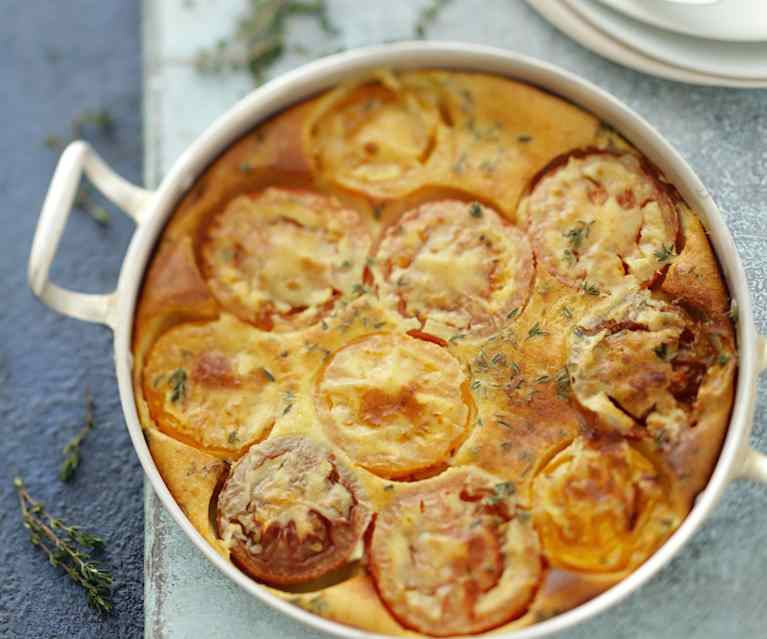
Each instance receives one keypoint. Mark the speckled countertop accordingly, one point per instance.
(59, 59)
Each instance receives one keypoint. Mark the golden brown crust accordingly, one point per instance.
(193, 478)
(695, 276)
(515, 397)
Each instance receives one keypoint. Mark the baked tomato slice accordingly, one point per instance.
(452, 555)
(455, 266)
(280, 258)
(641, 364)
(217, 385)
(600, 507)
(291, 511)
(377, 137)
(595, 218)
(395, 404)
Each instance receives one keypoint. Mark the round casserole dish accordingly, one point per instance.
(151, 210)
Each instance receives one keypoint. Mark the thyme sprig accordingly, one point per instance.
(429, 16)
(259, 39)
(72, 448)
(102, 122)
(67, 547)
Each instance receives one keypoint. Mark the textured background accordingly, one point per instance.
(59, 58)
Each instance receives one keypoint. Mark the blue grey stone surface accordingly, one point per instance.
(56, 60)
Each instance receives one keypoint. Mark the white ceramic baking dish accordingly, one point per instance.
(150, 210)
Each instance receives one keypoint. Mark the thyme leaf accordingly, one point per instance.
(177, 382)
(590, 289)
(536, 331)
(665, 253)
(578, 233)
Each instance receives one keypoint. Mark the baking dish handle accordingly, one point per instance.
(77, 158)
(754, 463)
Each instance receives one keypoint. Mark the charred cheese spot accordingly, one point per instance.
(290, 511)
(454, 266)
(377, 137)
(279, 259)
(639, 363)
(395, 404)
(600, 507)
(217, 385)
(598, 217)
(452, 555)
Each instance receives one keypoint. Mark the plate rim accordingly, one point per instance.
(639, 13)
(574, 26)
(638, 32)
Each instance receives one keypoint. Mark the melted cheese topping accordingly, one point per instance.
(395, 404)
(600, 218)
(280, 258)
(218, 385)
(288, 506)
(637, 362)
(377, 137)
(596, 412)
(451, 556)
(455, 267)
(600, 509)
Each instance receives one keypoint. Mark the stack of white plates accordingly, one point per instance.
(714, 42)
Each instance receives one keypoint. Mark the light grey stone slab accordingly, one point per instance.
(717, 587)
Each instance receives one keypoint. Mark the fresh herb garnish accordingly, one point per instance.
(503, 490)
(68, 548)
(475, 210)
(563, 383)
(590, 289)
(578, 233)
(267, 374)
(259, 40)
(177, 382)
(103, 123)
(664, 253)
(524, 138)
(661, 351)
(429, 16)
(566, 312)
(536, 331)
(84, 201)
(72, 448)
(512, 314)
